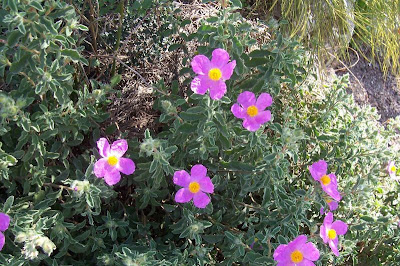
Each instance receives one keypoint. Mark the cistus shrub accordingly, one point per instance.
(258, 192)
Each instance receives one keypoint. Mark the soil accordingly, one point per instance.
(369, 86)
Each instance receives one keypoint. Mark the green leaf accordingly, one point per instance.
(13, 38)
(17, 66)
(236, 3)
(256, 62)
(36, 5)
(8, 204)
(195, 110)
(173, 47)
(115, 80)
(72, 54)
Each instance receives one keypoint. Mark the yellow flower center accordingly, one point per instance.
(112, 160)
(326, 180)
(194, 187)
(328, 201)
(393, 168)
(252, 111)
(214, 74)
(332, 234)
(296, 256)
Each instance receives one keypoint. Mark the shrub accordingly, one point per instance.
(262, 195)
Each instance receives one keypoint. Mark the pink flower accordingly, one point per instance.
(391, 168)
(251, 110)
(329, 231)
(296, 253)
(332, 204)
(112, 162)
(328, 182)
(4, 223)
(194, 186)
(212, 75)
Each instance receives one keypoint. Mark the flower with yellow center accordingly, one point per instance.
(194, 187)
(215, 74)
(332, 234)
(296, 256)
(326, 180)
(112, 160)
(252, 111)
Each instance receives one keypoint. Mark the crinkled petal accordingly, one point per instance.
(305, 262)
(280, 251)
(200, 64)
(263, 101)
(2, 240)
(181, 178)
(119, 147)
(101, 167)
(318, 169)
(251, 124)
(323, 234)
(4, 221)
(220, 58)
(333, 205)
(333, 244)
(201, 200)
(297, 243)
(263, 117)
(238, 111)
(321, 211)
(206, 185)
(112, 177)
(200, 84)
(183, 195)
(310, 252)
(340, 227)
(287, 262)
(198, 171)
(227, 70)
(246, 99)
(331, 188)
(328, 219)
(126, 166)
(103, 146)
(217, 89)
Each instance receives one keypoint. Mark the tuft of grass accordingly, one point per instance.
(328, 26)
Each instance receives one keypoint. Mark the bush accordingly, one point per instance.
(263, 192)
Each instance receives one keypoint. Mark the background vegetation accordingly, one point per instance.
(61, 65)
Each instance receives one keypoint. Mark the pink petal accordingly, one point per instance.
(101, 167)
(200, 84)
(206, 185)
(333, 245)
(103, 146)
(340, 227)
(119, 147)
(305, 262)
(331, 188)
(251, 124)
(2, 240)
(297, 243)
(238, 111)
(181, 178)
(126, 166)
(4, 221)
(318, 169)
(263, 117)
(333, 205)
(280, 252)
(263, 101)
(183, 195)
(227, 70)
(220, 57)
(328, 219)
(246, 99)
(323, 234)
(217, 89)
(198, 171)
(112, 177)
(310, 252)
(201, 200)
(200, 64)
